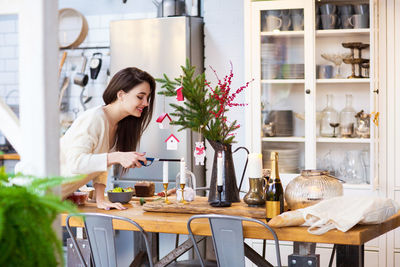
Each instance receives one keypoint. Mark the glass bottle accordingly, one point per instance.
(329, 120)
(274, 193)
(347, 118)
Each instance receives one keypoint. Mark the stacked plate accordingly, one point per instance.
(288, 158)
(283, 121)
(269, 68)
(292, 71)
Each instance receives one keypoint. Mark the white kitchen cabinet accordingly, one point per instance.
(283, 64)
(274, 59)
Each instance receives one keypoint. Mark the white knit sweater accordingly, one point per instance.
(85, 145)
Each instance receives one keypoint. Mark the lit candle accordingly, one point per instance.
(183, 171)
(254, 165)
(165, 172)
(219, 169)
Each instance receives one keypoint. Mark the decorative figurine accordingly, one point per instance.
(199, 153)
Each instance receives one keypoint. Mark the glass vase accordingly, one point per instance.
(311, 187)
(329, 120)
(347, 118)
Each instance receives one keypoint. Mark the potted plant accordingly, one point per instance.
(204, 110)
(27, 213)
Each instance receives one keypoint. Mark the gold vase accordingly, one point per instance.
(255, 196)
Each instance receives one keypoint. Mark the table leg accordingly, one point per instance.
(304, 255)
(176, 253)
(347, 256)
(256, 258)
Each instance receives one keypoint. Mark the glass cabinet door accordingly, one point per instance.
(344, 101)
(280, 57)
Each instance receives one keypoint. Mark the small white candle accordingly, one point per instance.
(254, 165)
(183, 181)
(165, 172)
(219, 169)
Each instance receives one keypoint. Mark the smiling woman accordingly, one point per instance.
(107, 135)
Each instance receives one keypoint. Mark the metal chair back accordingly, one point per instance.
(227, 235)
(100, 233)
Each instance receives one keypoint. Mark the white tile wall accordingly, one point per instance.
(8, 58)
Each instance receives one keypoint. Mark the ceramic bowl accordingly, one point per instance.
(122, 197)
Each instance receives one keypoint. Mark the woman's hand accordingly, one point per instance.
(107, 205)
(126, 159)
(101, 202)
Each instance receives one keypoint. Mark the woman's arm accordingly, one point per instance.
(126, 159)
(101, 202)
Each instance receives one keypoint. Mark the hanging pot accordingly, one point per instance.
(230, 191)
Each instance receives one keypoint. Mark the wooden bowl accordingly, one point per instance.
(72, 27)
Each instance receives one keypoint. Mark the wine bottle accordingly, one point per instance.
(274, 193)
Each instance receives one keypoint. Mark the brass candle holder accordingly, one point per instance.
(183, 201)
(166, 201)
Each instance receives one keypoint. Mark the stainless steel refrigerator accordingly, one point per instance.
(158, 46)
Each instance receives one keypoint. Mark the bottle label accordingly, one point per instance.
(273, 208)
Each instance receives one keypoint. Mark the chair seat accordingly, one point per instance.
(192, 263)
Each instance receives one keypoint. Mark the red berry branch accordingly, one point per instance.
(222, 93)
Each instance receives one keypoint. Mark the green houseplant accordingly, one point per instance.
(27, 213)
(205, 110)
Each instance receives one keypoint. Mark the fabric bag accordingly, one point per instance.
(344, 212)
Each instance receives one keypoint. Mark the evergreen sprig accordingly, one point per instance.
(204, 108)
(27, 237)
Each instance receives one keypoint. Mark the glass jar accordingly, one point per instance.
(329, 119)
(190, 186)
(311, 187)
(347, 118)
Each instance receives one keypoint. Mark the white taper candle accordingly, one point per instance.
(254, 165)
(165, 172)
(219, 169)
(182, 180)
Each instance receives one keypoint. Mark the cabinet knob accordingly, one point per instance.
(376, 91)
(308, 91)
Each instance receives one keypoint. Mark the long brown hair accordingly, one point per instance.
(130, 129)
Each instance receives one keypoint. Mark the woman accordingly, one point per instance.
(107, 135)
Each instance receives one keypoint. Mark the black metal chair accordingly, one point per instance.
(100, 233)
(227, 235)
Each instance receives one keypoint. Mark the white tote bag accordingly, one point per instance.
(344, 212)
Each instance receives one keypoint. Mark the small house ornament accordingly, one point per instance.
(199, 153)
(172, 142)
(164, 121)
(179, 93)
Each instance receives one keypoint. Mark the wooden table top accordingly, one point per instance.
(9, 157)
(176, 223)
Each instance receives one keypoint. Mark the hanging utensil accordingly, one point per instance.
(64, 56)
(95, 65)
(81, 78)
(62, 91)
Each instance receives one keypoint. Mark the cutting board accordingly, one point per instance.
(147, 199)
(201, 206)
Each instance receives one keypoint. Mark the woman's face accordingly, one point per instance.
(134, 101)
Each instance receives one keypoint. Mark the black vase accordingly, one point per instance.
(230, 192)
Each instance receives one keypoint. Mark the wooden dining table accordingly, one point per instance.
(349, 244)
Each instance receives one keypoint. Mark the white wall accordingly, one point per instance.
(224, 43)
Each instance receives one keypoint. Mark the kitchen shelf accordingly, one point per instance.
(283, 81)
(284, 33)
(344, 140)
(360, 80)
(342, 32)
(357, 186)
(283, 139)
